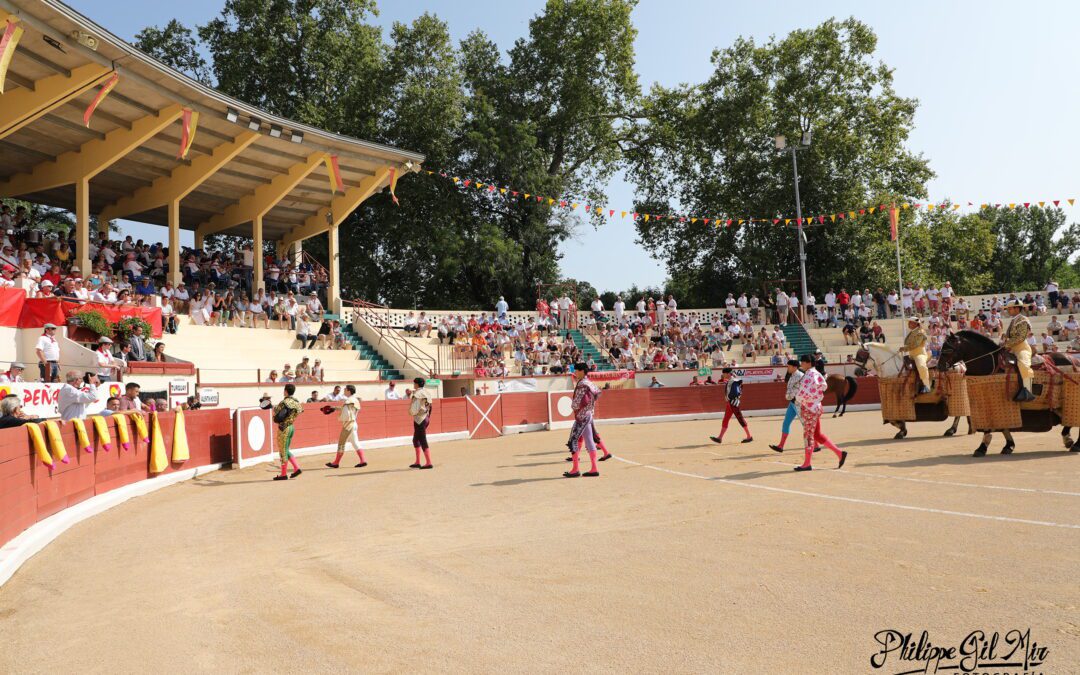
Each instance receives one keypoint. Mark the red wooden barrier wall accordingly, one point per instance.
(29, 492)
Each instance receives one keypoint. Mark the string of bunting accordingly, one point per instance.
(726, 221)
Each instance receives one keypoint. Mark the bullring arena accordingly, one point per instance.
(157, 528)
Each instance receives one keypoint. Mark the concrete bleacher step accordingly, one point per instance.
(589, 350)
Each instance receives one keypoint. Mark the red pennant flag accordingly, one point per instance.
(102, 93)
(514, 193)
(682, 220)
(587, 208)
(821, 219)
(539, 198)
(862, 212)
(562, 202)
(842, 215)
(917, 205)
(1056, 202)
(729, 222)
(893, 223)
(12, 34)
(775, 221)
(1027, 205)
(491, 188)
(467, 182)
(706, 221)
(611, 212)
(189, 120)
(633, 216)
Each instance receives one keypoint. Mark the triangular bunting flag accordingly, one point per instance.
(467, 182)
(622, 214)
(1070, 201)
(832, 218)
(706, 221)
(775, 221)
(1056, 202)
(871, 209)
(787, 221)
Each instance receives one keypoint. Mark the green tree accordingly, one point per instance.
(175, 46)
(1033, 246)
(709, 150)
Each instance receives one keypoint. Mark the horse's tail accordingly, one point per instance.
(852, 387)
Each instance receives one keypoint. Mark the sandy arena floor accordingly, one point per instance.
(684, 556)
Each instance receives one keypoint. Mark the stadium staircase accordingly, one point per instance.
(369, 353)
(799, 341)
(589, 350)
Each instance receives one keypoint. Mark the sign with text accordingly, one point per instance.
(41, 399)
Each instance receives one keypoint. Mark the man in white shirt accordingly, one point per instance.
(672, 306)
(108, 368)
(661, 313)
(781, 307)
(641, 307)
(314, 305)
(597, 309)
(620, 308)
(75, 395)
(391, 393)
(830, 304)
(564, 311)
(501, 308)
(48, 354)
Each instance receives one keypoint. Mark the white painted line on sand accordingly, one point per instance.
(853, 500)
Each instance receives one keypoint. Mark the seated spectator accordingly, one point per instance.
(1055, 326)
(130, 399)
(317, 374)
(272, 377)
(411, 326)
(303, 333)
(850, 336)
(314, 398)
(11, 413)
(158, 355)
(1070, 328)
(168, 317)
(325, 331)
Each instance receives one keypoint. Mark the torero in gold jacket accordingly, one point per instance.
(1015, 341)
(915, 346)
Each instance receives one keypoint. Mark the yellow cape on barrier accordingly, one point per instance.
(123, 432)
(101, 429)
(38, 441)
(56, 442)
(180, 451)
(140, 425)
(159, 460)
(81, 436)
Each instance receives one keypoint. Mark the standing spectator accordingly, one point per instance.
(48, 354)
(108, 368)
(138, 343)
(830, 305)
(879, 303)
(781, 306)
(501, 308)
(620, 308)
(77, 393)
(1052, 293)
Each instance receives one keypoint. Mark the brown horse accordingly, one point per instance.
(843, 387)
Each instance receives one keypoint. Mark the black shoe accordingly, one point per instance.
(569, 459)
(747, 440)
(570, 474)
(776, 448)
(1024, 396)
(715, 439)
(817, 448)
(804, 468)
(296, 473)
(843, 458)
(415, 466)
(606, 457)
(591, 474)
(361, 465)
(332, 465)
(281, 477)
(428, 466)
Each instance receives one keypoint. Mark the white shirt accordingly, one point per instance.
(1051, 288)
(49, 347)
(946, 292)
(781, 298)
(640, 306)
(597, 306)
(672, 305)
(741, 302)
(72, 402)
(5, 377)
(105, 362)
(830, 299)
(392, 394)
(619, 307)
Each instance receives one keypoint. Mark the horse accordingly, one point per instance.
(982, 356)
(885, 361)
(843, 387)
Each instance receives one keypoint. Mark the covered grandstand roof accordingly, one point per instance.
(243, 161)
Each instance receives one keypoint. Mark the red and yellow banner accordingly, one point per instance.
(12, 32)
(189, 122)
(393, 186)
(334, 173)
(102, 93)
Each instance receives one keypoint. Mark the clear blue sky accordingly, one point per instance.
(995, 81)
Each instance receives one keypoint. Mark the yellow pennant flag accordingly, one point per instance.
(693, 220)
(479, 185)
(646, 217)
(502, 191)
(832, 218)
(871, 209)
(955, 207)
(1041, 204)
(1012, 206)
(622, 214)
(930, 207)
(851, 214)
(574, 205)
(526, 195)
(180, 451)
(550, 201)
(741, 222)
(787, 220)
(456, 179)
(906, 205)
(1070, 201)
(333, 173)
(599, 210)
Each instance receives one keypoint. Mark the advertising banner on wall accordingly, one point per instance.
(40, 399)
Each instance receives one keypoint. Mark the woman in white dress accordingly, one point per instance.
(200, 314)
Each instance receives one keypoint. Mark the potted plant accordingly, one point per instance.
(125, 327)
(91, 320)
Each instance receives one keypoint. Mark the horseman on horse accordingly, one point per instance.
(915, 346)
(1015, 341)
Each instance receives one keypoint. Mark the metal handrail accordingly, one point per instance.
(372, 314)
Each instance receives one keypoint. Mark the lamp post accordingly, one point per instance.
(781, 145)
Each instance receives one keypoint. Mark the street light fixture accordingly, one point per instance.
(781, 145)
